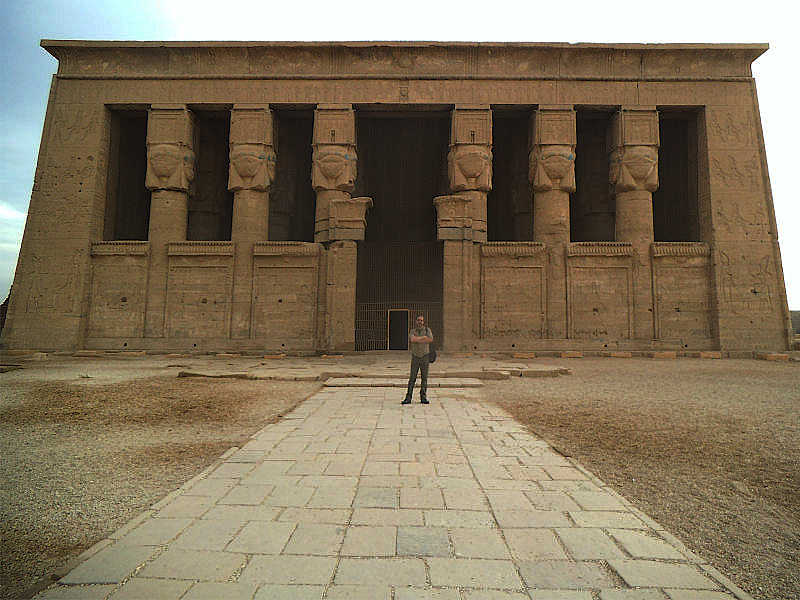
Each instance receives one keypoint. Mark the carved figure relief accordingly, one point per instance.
(52, 290)
(252, 167)
(747, 282)
(552, 168)
(634, 168)
(73, 124)
(731, 129)
(470, 168)
(737, 172)
(334, 167)
(169, 167)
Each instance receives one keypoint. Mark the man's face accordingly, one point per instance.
(420, 321)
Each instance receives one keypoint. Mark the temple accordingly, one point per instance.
(313, 197)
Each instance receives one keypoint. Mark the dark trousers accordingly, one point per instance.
(418, 363)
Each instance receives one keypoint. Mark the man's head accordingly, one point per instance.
(420, 321)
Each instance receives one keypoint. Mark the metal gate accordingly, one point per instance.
(405, 275)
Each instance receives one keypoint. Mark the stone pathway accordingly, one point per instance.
(354, 496)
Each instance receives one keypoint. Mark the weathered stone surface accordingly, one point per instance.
(86, 282)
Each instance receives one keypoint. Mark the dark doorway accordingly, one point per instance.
(128, 200)
(402, 167)
(398, 329)
(510, 201)
(592, 214)
(210, 201)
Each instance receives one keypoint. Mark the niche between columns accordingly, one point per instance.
(127, 214)
(591, 207)
(210, 202)
(292, 200)
(675, 202)
(510, 201)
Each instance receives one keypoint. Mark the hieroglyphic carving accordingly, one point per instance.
(54, 284)
(740, 216)
(74, 124)
(512, 249)
(747, 282)
(736, 170)
(730, 127)
(600, 302)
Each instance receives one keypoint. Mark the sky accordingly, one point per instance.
(26, 69)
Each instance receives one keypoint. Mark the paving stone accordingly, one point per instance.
(286, 495)
(597, 501)
(632, 595)
(335, 516)
(266, 471)
(348, 466)
(381, 571)
(645, 573)
(478, 543)
(315, 539)
(422, 541)
(359, 592)
(242, 514)
(412, 593)
(288, 592)
(560, 595)
(194, 564)
(589, 544)
(551, 501)
(228, 470)
(289, 570)
(642, 545)
(564, 473)
(603, 519)
(458, 500)
(217, 591)
(260, 537)
(555, 574)
(332, 498)
(494, 595)
(417, 468)
(421, 498)
(247, 494)
(110, 565)
(207, 535)
(451, 470)
(508, 500)
(370, 541)
(186, 507)
(387, 516)
(458, 518)
(154, 532)
(697, 595)
(461, 485)
(215, 488)
(533, 544)
(566, 485)
(531, 518)
(152, 589)
(468, 572)
(394, 481)
(376, 497)
(381, 468)
(526, 473)
(74, 592)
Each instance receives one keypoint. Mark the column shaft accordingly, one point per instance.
(634, 178)
(552, 174)
(252, 170)
(170, 171)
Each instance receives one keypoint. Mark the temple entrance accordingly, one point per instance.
(402, 167)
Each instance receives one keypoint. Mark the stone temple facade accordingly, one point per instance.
(268, 197)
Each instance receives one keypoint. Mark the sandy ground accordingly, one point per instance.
(708, 448)
(79, 460)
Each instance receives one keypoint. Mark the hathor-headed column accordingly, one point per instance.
(170, 172)
(634, 178)
(340, 219)
(252, 171)
(461, 218)
(552, 174)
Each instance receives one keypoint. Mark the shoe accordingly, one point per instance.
(424, 401)
(406, 401)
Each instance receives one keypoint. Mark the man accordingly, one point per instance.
(419, 340)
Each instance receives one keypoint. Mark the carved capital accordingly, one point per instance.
(552, 167)
(554, 125)
(170, 157)
(471, 125)
(252, 167)
(634, 168)
(469, 167)
(169, 167)
(334, 167)
(635, 126)
(334, 124)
